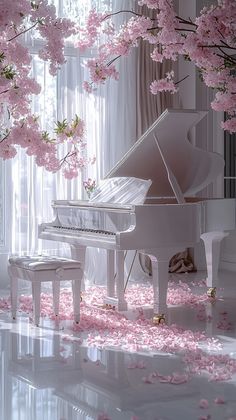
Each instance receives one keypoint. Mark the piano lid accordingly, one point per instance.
(192, 167)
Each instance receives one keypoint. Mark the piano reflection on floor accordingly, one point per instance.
(86, 382)
(159, 217)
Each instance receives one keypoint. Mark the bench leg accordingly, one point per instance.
(14, 291)
(56, 296)
(76, 289)
(36, 291)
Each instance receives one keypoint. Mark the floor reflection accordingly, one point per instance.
(44, 377)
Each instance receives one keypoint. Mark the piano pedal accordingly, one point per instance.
(109, 306)
(110, 303)
(158, 319)
(211, 292)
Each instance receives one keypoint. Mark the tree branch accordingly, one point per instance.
(112, 61)
(4, 91)
(5, 137)
(69, 154)
(122, 11)
(181, 80)
(187, 22)
(23, 32)
(228, 57)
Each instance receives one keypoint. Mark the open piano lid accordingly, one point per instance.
(192, 167)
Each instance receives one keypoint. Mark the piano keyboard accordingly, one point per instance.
(74, 230)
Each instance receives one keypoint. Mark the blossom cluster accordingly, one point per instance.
(18, 127)
(209, 41)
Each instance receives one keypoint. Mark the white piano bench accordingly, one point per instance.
(43, 268)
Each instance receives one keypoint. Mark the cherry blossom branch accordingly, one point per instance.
(4, 91)
(121, 11)
(187, 22)
(24, 32)
(5, 137)
(113, 60)
(68, 155)
(218, 46)
(181, 80)
(227, 56)
(176, 29)
(227, 46)
(185, 30)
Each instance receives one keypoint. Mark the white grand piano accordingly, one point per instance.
(168, 219)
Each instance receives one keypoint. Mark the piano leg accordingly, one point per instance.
(212, 242)
(120, 277)
(76, 289)
(110, 273)
(78, 254)
(115, 300)
(160, 276)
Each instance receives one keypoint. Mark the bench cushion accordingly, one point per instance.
(43, 262)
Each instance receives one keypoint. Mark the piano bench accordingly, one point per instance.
(43, 268)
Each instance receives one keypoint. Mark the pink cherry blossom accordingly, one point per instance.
(203, 403)
(103, 416)
(16, 87)
(219, 400)
(208, 41)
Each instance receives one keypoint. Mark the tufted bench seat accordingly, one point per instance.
(42, 268)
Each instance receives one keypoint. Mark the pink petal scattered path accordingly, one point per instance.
(109, 329)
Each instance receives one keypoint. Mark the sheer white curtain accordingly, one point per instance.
(110, 116)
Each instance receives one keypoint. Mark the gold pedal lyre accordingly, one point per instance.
(158, 319)
(211, 292)
(109, 306)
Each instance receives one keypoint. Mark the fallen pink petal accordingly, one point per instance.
(203, 403)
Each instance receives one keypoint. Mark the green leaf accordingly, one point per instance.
(61, 126)
(8, 72)
(34, 5)
(75, 121)
(45, 136)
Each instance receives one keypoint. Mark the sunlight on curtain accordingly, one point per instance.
(110, 116)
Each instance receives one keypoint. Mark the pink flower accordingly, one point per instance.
(219, 400)
(103, 416)
(7, 151)
(205, 44)
(165, 84)
(203, 403)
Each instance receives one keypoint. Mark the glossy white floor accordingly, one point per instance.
(43, 378)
